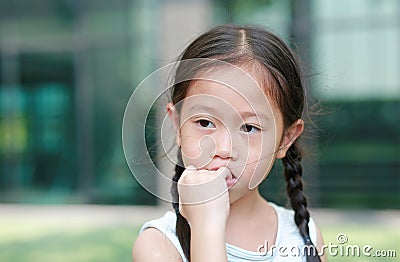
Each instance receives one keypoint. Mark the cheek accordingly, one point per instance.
(263, 147)
(260, 171)
(197, 149)
(261, 158)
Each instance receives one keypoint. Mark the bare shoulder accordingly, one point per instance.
(320, 245)
(152, 245)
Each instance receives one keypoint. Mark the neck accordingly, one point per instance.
(247, 206)
(259, 219)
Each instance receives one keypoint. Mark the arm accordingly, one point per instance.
(204, 202)
(208, 243)
(152, 245)
(320, 243)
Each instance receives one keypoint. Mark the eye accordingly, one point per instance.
(205, 123)
(249, 129)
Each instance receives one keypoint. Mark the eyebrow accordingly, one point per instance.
(242, 114)
(253, 114)
(202, 107)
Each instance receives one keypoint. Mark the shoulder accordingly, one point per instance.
(287, 226)
(152, 245)
(157, 241)
(320, 244)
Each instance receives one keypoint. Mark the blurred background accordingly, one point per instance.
(68, 68)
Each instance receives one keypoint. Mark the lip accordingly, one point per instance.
(216, 168)
(230, 181)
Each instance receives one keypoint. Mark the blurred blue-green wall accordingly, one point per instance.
(68, 68)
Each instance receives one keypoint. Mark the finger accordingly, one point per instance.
(188, 170)
(223, 173)
(203, 187)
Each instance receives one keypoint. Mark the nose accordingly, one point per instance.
(224, 144)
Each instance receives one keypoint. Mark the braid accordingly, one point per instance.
(293, 173)
(182, 227)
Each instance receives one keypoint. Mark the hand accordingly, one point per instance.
(203, 196)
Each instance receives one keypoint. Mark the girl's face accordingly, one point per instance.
(227, 120)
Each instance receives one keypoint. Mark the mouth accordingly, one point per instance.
(230, 179)
(230, 172)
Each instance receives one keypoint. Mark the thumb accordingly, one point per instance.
(223, 172)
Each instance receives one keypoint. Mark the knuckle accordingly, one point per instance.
(200, 177)
(188, 179)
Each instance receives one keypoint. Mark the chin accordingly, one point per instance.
(233, 197)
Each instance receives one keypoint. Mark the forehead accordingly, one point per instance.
(230, 88)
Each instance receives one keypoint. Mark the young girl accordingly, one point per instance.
(237, 105)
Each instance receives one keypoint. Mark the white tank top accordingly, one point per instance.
(289, 245)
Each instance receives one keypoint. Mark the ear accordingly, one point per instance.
(289, 137)
(174, 117)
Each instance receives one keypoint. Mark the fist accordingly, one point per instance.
(203, 195)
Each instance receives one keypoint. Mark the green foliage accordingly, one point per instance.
(50, 243)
